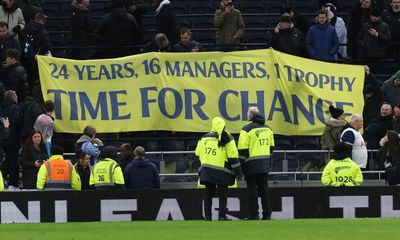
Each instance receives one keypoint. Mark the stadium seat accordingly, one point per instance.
(256, 37)
(306, 143)
(180, 7)
(274, 6)
(256, 22)
(251, 7)
(204, 37)
(303, 7)
(52, 9)
(203, 22)
(201, 7)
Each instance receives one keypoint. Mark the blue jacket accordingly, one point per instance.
(141, 174)
(322, 42)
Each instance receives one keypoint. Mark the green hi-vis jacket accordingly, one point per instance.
(342, 173)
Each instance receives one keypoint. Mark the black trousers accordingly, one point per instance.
(11, 165)
(222, 195)
(260, 182)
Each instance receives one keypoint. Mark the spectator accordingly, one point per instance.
(165, 20)
(322, 42)
(83, 168)
(11, 110)
(35, 41)
(30, 111)
(90, 144)
(83, 34)
(391, 16)
(12, 15)
(29, 9)
(378, 127)
(396, 118)
(388, 157)
(359, 15)
(300, 22)
(32, 156)
(141, 173)
(15, 75)
(333, 128)
(340, 26)
(126, 155)
(137, 8)
(230, 26)
(352, 136)
(341, 170)
(119, 30)
(391, 89)
(375, 36)
(287, 38)
(160, 43)
(4, 135)
(63, 176)
(372, 97)
(7, 41)
(45, 124)
(187, 44)
(107, 174)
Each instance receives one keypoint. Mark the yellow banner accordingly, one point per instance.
(184, 91)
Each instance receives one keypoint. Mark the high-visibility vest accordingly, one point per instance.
(59, 174)
(102, 173)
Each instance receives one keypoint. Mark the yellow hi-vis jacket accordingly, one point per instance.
(106, 174)
(218, 164)
(1, 182)
(255, 142)
(342, 173)
(57, 173)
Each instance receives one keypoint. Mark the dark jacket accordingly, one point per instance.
(372, 105)
(300, 22)
(166, 23)
(289, 41)
(30, 110)
(391, 164)
(391, 93)
(393, 20)
(376, 130)
(179, 47)
(9, 41)
(141, 174)
(358, 17)
(84, 174)
(41, 42)
(81, 26)
(141, 9)
(16, 79)
(375, 47)
(118, 28)
(322, 42)
(4, 135)
(11, 110)
(29, 170)
(153, 47)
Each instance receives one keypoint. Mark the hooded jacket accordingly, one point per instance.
(7, 42)
(218, 164)
(375, 47)
(331, 135)
(391, 93)
(12, 16)
(90, 146)
(322, 42)
(141, 174)
(82, 30)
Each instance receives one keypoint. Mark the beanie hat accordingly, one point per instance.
(335, 112)
(341, 150)
(285, 18)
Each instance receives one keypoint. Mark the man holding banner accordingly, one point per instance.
(256, 142)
